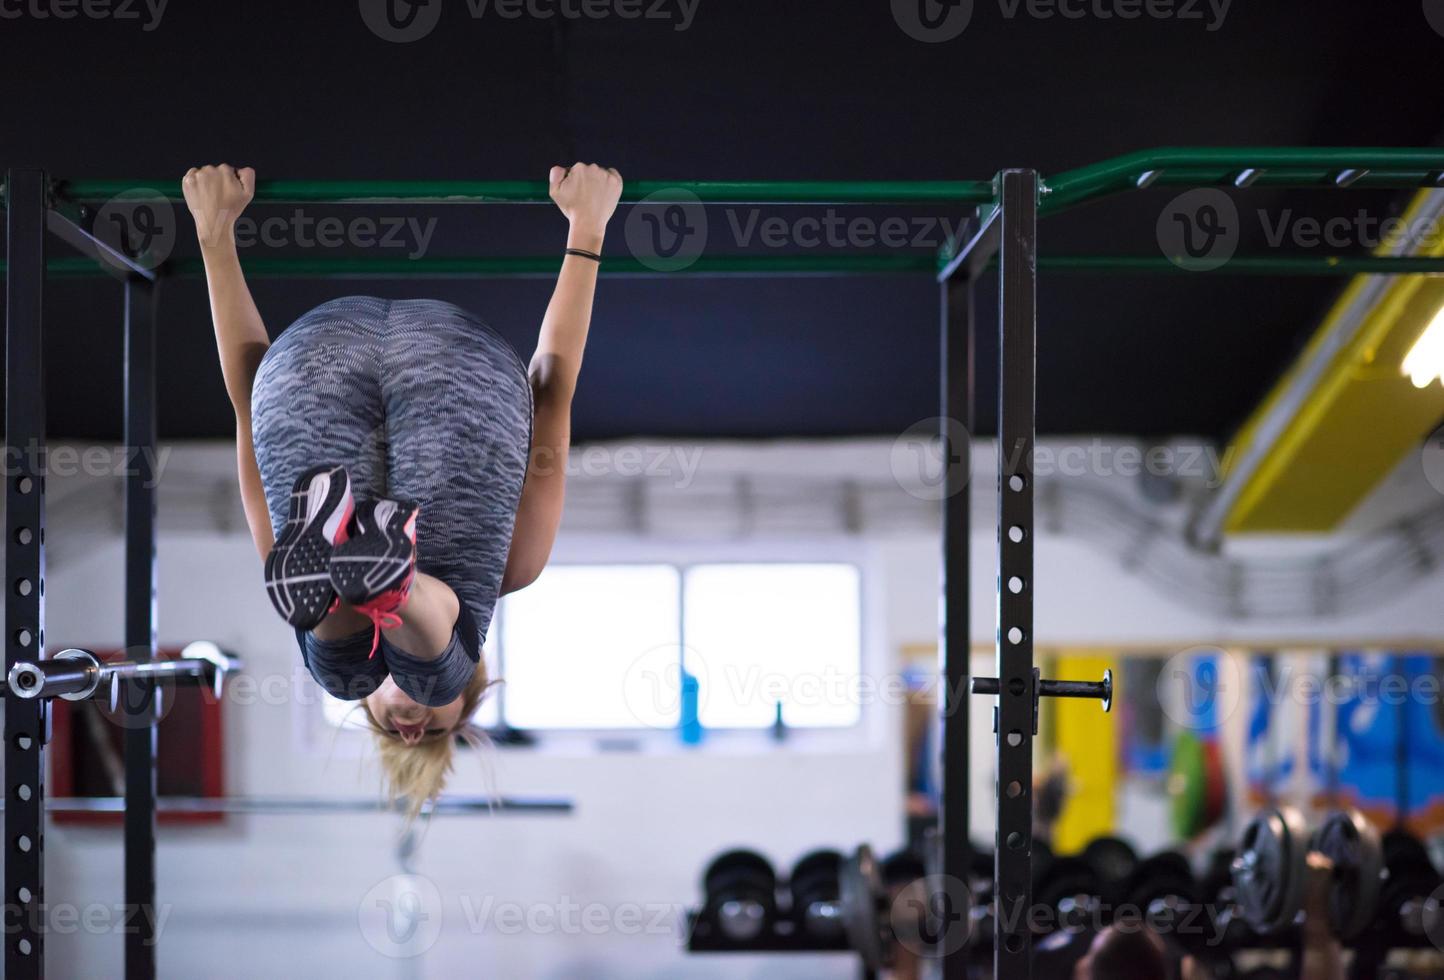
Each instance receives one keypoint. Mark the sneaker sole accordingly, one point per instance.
(298, 577)
(379, 557)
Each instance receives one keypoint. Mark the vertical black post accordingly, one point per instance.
(140, 696)
(957, 426)
(1018, 196)
(1401, 751)
(26, 721)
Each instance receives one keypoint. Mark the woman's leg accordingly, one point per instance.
(458, 420)
(428, 619)
(317, 399)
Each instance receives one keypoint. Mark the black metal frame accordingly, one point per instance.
(141, 696)
(29, 215)
(1009, 232)
(27, 723)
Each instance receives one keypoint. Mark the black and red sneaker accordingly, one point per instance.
(298, 569)
(374, 569)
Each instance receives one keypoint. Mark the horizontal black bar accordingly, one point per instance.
(296, 805)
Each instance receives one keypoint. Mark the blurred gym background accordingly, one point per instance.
(1239, 489)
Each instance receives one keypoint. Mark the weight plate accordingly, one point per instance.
(741, 894)
(1271, 867)
(1402, 849)
(813, 885)
(739, 866)
(1111, 858)
(1352, 843)
(864, 903)
(1197, 789)
(903, 867)
(1070, 888)
(1215, 786)
(1187, 786)
(1167, 874)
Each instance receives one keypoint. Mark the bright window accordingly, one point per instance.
(604, 646)
(762, 635)
(590, 646)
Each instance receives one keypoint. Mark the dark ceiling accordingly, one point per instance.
(749, 90)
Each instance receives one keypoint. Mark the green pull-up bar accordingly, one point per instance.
(1291, 167)
(884, 264)
(957, 192)
(1377, 167)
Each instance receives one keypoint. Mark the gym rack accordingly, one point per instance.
(1004, 236)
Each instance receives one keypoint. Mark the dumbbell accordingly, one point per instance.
(1386, 880)
(816, 894)
(1270, 869)
(1114, 862)
(1071, 889)
(865, 909)
(1353, 845)
(1162, 888)
(885, 903)
(741, 895)
(1408, 891)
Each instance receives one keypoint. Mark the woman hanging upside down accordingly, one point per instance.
(400, 469)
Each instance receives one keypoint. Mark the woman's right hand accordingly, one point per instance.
(216, 197)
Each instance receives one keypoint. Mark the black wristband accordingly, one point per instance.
(584, 254)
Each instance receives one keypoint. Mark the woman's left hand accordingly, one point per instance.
(587, 194)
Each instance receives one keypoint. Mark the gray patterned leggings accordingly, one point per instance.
(419, 400)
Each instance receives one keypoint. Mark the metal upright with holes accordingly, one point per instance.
(26, 722)
(142, 694)
(1016, 713)
(1007, 232)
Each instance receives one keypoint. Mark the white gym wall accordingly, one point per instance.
(280, 895)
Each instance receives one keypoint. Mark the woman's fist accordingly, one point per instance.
(217, 196)
(587, 194)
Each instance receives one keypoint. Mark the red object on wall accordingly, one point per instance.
(188, 758)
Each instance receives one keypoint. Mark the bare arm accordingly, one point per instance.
(587, 195)
(1323, 956)
(216, 196)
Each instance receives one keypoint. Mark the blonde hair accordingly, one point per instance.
(417, 773)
